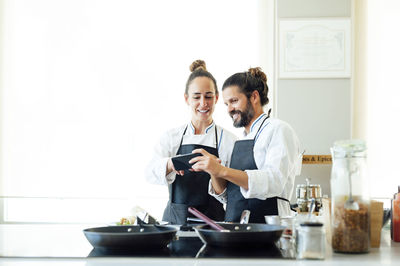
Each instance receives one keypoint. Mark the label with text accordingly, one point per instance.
(317, 159)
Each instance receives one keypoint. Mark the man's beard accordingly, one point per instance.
(245, 116)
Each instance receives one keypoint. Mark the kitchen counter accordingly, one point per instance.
(50, 244)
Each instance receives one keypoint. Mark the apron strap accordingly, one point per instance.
(216, 138)
(255, 136)
(180, 144)
(282, 199)
(290, 206)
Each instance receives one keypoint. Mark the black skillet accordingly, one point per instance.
(240, 235)
(236, 234)
(130, 237)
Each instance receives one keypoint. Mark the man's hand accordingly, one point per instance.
(208, 163)
(219, 173)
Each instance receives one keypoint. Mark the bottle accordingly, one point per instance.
(350, 197)
(396, 216)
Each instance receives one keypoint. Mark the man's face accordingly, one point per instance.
(239, 107)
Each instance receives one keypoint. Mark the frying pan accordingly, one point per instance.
(129, 237)
(240, 235)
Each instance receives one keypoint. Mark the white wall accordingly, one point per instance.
(318, 109)
(88, 86)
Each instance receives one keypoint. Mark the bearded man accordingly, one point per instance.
(263, 164)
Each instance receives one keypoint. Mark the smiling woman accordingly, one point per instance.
(84, 99)
(188, 188)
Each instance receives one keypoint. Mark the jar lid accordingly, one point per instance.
(316, 224)
(351, 147)
(310, 185)
(303, 200)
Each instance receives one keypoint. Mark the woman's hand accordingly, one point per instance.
(208, 163)
(170, 168)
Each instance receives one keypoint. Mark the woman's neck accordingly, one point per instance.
(201, 126)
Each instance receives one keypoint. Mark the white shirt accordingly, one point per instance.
(278, 157)
(168, 146)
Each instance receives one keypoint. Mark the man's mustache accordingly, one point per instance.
(232, 113)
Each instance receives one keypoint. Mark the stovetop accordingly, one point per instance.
(68, 241)
(193, 247)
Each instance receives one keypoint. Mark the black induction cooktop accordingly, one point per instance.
(68, 241)
(193, 247)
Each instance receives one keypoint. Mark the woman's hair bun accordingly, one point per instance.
(198, 64)
(257, 72)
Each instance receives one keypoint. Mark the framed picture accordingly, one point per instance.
(314, 48)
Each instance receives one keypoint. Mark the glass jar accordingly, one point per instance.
(310, 241)
(288, 222)
(350, 197)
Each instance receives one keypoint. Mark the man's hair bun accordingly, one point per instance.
(257, 73)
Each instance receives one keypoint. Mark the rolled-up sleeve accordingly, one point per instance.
(220, 197)
(276, 155)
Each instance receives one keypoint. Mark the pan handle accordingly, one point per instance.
(244, 218)
(207, 220)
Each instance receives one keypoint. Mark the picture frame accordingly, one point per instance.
(315, 48)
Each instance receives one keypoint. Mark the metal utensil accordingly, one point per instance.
(312, 207)
(194, 220)
(244, 218)
(350, 204)
(207, 220)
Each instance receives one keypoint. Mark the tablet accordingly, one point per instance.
(181, 162)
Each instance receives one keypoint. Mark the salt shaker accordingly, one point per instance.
(311, 241)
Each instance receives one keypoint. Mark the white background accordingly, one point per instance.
(89, 86)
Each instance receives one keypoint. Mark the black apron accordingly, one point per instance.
(243, 159)
(191, 190)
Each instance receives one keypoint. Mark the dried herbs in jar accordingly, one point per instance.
(351, 229)
(350, 197)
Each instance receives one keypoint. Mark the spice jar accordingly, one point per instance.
(311, 241)
(350, 197)
(306, 192)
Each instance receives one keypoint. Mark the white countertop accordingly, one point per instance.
(30, 241)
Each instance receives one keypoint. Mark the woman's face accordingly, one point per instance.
(201, 98)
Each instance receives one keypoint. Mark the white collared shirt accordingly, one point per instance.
(168, 146)
(278, 157)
